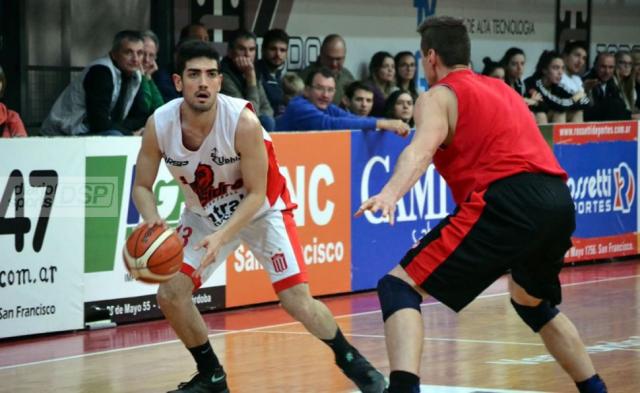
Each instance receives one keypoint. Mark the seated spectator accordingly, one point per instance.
(513, 63)
(625, 80)
(382, 80)
(240, 78)
(606, 99)
(104, 99)
(399, 105)
(150, 92)
(558, 105)
(333, 52)
(492, 68)
(292, 86)
(163, 78)
(315, 110)
(10, 123)
(406, 75)
(358, 99)
(271, 67)
(574, 56)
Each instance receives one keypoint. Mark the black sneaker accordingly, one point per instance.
(200, 383)
(361, 372)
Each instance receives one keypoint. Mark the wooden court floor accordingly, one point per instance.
(483, 349)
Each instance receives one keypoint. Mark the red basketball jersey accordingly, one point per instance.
(495, 137)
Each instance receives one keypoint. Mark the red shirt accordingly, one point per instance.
(496, 136)
(11, 123)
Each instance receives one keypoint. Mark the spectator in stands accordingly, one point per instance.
(104, 99)
(10, 123)
(558, 105)
(150, 92)
(333, 52)
(162, 78)
(315, 110)
(358, 99)
(606, 99)
(492, 68)
(513, 62)
(625, 79)
(636, 71)
(271, 67)
(406, 74)
(399, 105)
(292, 86)
(574, 56)
(240, 77)
(382, 80)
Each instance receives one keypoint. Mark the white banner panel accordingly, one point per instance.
(41, 235)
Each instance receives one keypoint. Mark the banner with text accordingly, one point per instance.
(377, 247)
(41, 231)
(603, 186)
(316, 167)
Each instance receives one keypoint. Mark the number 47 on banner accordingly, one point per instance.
(20, 225)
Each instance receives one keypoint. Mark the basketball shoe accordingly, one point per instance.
(201, 383)
(361, 372)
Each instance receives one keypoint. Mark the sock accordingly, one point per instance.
(341, 347)
(595, 384)
(403, 382)
(205, 358)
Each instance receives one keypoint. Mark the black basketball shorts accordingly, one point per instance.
(522, 224)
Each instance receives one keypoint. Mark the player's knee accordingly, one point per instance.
(395, 294)
(538, 316)
(168, 296)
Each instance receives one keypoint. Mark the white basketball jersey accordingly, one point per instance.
(210, 177)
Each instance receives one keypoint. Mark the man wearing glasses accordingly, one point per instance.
(314, 110)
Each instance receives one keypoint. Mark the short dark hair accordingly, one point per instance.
(240, 34)
(129, 35)
(274, 35)
(324, 71)
(448, 37)
(185, 32)
(192, 49)
(570, 46)
(351, 89)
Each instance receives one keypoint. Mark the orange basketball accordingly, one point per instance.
(153, 255)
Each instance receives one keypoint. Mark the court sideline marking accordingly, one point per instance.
(258, 329)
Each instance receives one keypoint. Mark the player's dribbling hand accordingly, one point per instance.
(153, 221)
(381, 203)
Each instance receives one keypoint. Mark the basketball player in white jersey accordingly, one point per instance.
(224, 161)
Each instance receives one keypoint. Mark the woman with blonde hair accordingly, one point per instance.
(625, 79)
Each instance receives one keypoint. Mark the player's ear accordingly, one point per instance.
(177, 82)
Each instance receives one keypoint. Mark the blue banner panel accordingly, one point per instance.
(376, 246)
(602, 180)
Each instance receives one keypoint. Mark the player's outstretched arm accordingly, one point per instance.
(433, 116)
(147, 165)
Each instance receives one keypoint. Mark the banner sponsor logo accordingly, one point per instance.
(606, 190)
(317, 176)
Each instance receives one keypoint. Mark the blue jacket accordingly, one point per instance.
(302, 115)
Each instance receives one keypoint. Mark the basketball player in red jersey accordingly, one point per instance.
(515, 213)
(224, 161)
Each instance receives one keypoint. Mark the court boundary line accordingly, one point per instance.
(258, 329)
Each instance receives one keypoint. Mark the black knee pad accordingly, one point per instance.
(395, 294)
(538, 316)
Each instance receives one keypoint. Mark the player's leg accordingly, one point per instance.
(559, 335)
(174, 298)
(400, 301)
(274, 241)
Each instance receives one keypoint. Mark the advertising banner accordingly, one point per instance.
(377, 247)
(111, 216)
(41, 236)
(603, 186)
(316, 167)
